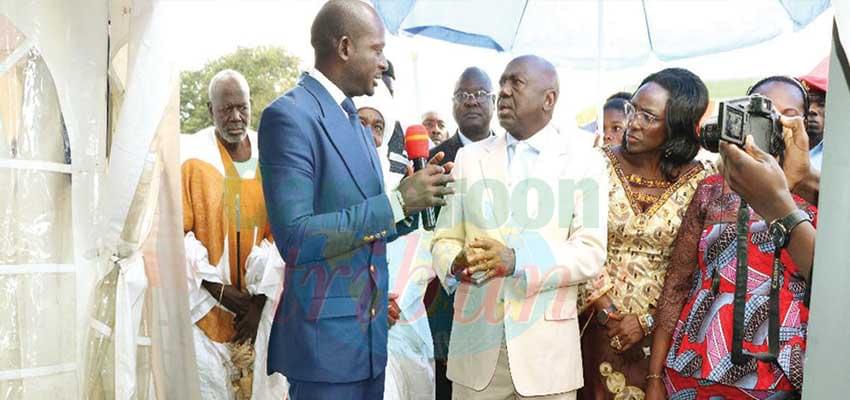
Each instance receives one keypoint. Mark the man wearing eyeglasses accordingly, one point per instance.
(472, 109)
(473, 103)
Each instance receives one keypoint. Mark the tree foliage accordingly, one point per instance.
(270, 71)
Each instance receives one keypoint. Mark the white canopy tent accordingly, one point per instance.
(86, 226)
(97, 221)
(63, 53)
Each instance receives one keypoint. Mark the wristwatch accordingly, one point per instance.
(780, 229)
(605, 314)
(647, 323)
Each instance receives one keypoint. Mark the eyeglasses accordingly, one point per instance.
(642, 118)
(479, 96)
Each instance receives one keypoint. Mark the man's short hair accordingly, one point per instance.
(228, 74)
(337, 18)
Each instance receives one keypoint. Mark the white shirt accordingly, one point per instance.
(523, 153)
(336, 93)
(338, 96)
(816, 156)
(467, 141)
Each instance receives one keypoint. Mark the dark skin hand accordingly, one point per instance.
(627, 328)
(655, 389)
(246, 326)
(233, 299)
(803, 179)
(757, 177)
(248, 309)
(427, 187)
(393, 310)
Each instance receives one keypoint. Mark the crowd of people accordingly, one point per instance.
(641, 266)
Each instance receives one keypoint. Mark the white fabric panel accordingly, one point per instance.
(43, 166)
(198, 269)
(149, 109)
(264, 275)
(129, 297)
(37, 356)
(151, 74)
(15, 269)
(72, 39)
(214, 367)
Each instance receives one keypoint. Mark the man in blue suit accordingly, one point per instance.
(331, 216)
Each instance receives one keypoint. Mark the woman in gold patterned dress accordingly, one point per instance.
(653, 177)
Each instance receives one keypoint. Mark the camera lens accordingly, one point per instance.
(709, 136)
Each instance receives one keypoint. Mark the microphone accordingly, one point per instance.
(416, 145)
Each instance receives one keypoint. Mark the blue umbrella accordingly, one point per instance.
(599, 33)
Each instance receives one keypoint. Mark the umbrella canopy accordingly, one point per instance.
(598, 33)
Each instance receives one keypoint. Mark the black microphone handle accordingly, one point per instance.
(419, 163)
(429, 218)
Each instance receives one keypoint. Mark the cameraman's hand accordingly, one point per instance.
(803, 178)
(796, 164)
(758, 178)
(426, 187)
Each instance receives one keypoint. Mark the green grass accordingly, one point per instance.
(731, 88)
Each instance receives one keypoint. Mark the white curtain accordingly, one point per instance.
(52, 63)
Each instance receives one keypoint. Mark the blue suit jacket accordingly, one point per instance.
(331, 221)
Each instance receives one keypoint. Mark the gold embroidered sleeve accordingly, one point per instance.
(593, 290)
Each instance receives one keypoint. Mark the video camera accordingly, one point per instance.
(737, 118)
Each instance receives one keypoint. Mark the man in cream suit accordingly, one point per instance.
(527, 225)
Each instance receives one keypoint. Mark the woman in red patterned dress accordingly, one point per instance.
(694, 337)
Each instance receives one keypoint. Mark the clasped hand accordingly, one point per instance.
(486, 256)
(627, 328)
(247, 308)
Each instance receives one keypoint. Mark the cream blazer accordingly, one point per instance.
(559, 234)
